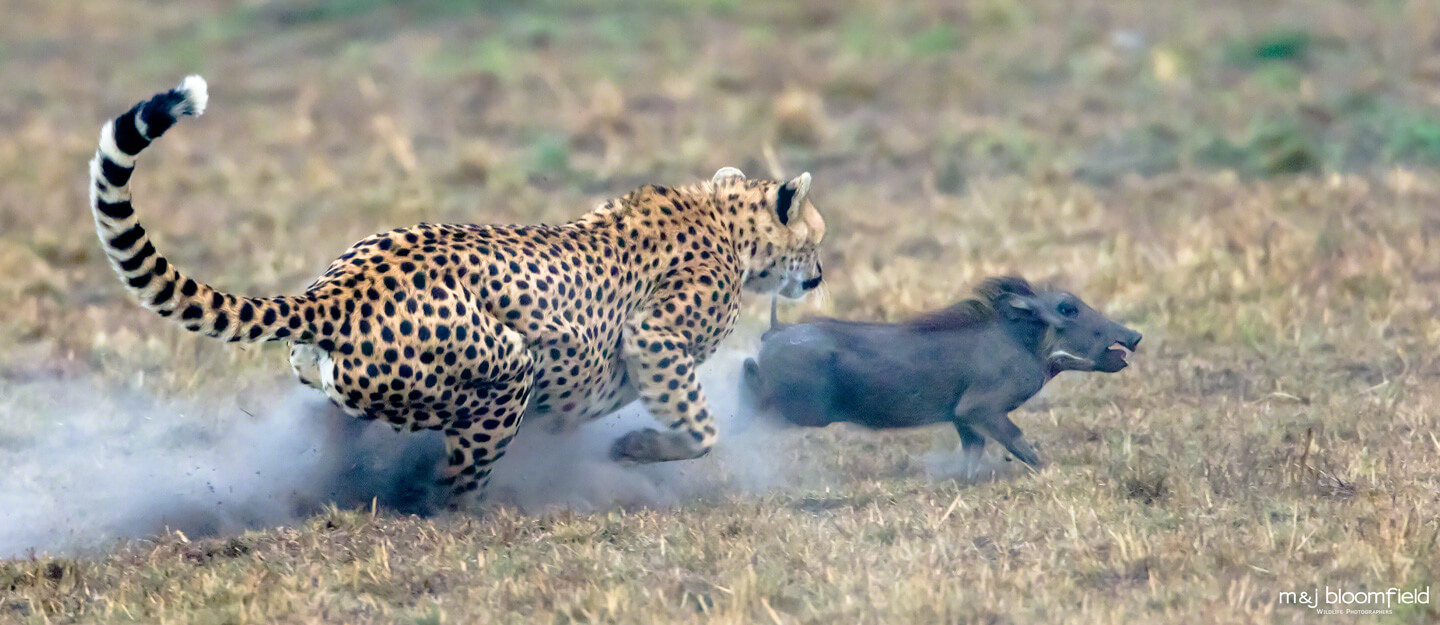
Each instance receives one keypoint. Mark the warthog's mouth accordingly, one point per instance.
(1115, 358)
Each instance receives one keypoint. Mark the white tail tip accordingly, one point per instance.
(196, 96)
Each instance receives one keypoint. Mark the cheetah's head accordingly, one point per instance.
(787, 234)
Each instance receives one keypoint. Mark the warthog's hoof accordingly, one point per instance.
(1026, 454)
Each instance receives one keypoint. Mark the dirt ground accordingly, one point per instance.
(1251, 184)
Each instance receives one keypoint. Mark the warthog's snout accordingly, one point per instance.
(1116, 359)
(1132, 340)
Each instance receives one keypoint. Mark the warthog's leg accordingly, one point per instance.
(751, 377)
(986, 414)
(972, 449)
(810, 409)
(1003, 430)
(798, 389)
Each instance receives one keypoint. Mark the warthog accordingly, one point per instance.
(969, 364)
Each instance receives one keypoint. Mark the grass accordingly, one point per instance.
(1276, 432)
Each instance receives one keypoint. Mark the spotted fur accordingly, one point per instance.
(470, 328)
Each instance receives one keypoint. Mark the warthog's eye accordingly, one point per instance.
(1067, 309)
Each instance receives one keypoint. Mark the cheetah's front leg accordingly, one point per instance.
(663, 372)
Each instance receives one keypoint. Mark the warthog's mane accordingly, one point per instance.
(978, 310)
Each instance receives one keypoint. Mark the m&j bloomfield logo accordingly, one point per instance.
(1340, 601)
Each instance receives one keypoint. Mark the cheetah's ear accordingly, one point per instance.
(791, 196)
(726, 172)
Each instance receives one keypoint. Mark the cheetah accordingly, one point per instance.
(471, 328)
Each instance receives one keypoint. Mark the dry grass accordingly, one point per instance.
(1276, 433)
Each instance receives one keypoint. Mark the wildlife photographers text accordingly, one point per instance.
(1340, 601)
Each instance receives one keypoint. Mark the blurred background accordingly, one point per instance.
(1103, 144)
(961, 137)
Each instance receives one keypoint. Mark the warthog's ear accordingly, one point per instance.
(1016, 307)
(791, 196)
(725, 173)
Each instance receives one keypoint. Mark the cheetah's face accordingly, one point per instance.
(788, 232)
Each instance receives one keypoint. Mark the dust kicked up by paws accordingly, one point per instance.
(88, 465)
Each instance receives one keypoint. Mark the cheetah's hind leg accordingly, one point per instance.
(474, 387)
(483, 414)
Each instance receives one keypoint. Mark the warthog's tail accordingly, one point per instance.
(775, 325)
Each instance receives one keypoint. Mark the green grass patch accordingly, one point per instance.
(550, 154)
(938, 39)
(316, 11)
(493, 55)
(1412, 136)
(1278, 45)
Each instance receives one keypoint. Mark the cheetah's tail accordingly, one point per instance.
(148, 276)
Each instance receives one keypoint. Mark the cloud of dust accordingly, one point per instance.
(543, 471)
(86, 465)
